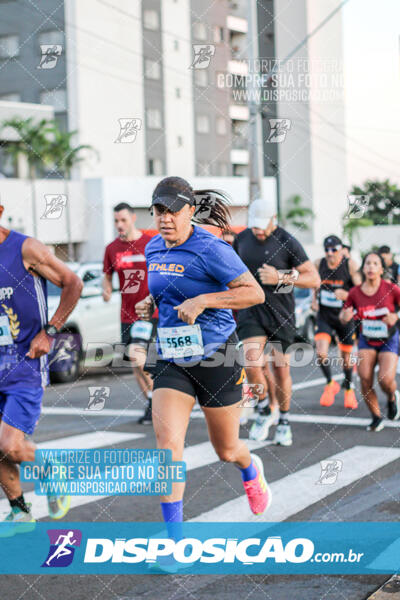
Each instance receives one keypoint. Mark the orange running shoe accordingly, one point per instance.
(350, 400)
(329, 393)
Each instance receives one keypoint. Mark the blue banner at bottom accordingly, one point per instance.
(205, 548)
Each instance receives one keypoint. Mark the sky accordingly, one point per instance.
(372, 88)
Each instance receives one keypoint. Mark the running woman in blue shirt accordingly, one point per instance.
(195, 279)
(25, 340)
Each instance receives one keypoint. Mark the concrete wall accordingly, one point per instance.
(107, 61)
(25, 205)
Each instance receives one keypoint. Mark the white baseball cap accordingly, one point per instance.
(261, 212)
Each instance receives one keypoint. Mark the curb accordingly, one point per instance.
(389, 591)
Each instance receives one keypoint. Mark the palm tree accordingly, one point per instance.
(44, 146)
(33, 144)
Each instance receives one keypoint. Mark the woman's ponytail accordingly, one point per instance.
(212, 208)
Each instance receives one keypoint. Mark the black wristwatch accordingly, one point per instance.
(51, 330)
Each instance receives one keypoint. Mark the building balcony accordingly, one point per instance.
(239, 157)
(236, 24)
(238, 67)
(239, 112)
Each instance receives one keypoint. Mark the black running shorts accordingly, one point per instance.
(216, 381)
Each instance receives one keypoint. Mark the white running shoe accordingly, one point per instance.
(260, 429)
(283, 435)
(276, 414)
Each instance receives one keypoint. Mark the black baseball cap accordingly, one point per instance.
(331, 241)
(173, 193)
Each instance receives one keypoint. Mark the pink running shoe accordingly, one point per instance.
(258, 492)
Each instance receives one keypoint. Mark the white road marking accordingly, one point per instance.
(297, 491)
(84, 441)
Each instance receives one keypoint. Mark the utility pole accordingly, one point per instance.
(255, 135)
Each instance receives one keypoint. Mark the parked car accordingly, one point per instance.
(92, 321)
(305, 316)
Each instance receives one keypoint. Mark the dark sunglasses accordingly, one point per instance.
(332, 249)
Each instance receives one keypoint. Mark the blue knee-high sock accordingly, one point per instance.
(173, 517)
(249, 472)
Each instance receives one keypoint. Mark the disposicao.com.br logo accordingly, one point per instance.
(213, 550)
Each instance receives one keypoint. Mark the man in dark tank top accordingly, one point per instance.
(338, 275)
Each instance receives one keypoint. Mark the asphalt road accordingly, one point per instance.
(372, 496)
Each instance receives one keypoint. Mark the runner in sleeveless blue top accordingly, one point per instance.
(195, 279)
(25, 340)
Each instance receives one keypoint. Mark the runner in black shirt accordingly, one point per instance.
(338, 275)
(278, 262)
(391, 267)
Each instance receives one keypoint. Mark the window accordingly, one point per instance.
(152, 69)
(240, 170)
(199, 31)
(221, 126)
(218, 34)
(156, 166)
(202, 124)
(203, 168)
(179, 140)
(178, 92)
(201, 77)
(154, 118)
(56, 98)
(9, 46)
(11, 97)
(151, 19)
(51, 37)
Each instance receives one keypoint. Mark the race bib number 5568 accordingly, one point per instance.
(179, 342)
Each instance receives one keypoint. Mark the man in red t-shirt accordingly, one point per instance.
(125, 255)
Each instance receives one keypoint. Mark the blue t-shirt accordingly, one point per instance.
(203, 264)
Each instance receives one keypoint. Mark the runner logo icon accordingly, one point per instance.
(132, 280)
(203, 54)
(330, 470)
(62, 547)
(98, 397)
(279, 129)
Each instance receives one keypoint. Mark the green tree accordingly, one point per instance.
(32, 143)
(298, 215)
(384, 201)
(351, 227)
(45, 147)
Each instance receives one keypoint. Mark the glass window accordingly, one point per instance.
(156, 166)
(202, 124)
(55, 98)
(151, 19)
(221, 126)
(201, 77)
(154, 118)
(218, 34)
(9, 46)
(199, 31)
(152, 69)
